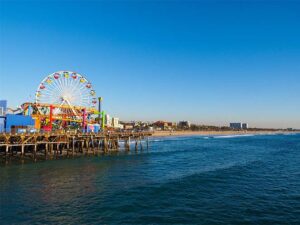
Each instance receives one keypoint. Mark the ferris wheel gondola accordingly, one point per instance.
(66, 88)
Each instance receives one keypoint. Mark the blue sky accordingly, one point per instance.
(210, 62)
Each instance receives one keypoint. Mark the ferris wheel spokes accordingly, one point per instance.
(66, 88)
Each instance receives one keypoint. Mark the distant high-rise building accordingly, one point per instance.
(3, 107)
(239, 126)
(245, 126)
(235, 125)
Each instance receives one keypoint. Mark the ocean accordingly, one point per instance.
(252, 179)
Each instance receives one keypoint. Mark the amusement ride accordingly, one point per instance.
(64, 100)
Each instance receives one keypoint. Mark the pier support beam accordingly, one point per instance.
(73, 145)
(147, 143)
(46, 150)
(57, 145)
(136, 145)
(141, 143)
(34, 152)
(22, 150)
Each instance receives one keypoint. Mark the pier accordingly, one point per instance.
(46, 146)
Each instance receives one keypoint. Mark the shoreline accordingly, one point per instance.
(209, 133)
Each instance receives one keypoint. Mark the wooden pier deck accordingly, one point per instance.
(39, 146)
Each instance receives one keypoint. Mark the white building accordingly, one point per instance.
(107, 120)
(115, 122)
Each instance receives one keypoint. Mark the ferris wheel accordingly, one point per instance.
(66, 88)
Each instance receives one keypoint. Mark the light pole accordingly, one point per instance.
(100, 99)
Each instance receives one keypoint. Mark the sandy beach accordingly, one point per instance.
(190, 133)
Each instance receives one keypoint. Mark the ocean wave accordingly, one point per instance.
(234, 136)
(174, 138)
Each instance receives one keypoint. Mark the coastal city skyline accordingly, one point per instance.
(207, 63)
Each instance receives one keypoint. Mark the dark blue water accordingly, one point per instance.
(187, 180)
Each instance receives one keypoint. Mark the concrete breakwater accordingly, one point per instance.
(46, 146)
